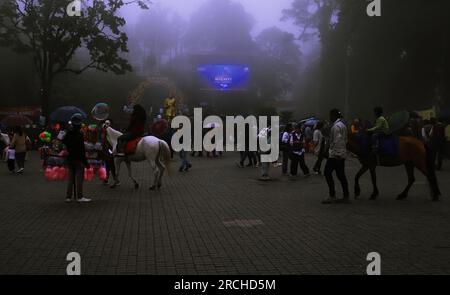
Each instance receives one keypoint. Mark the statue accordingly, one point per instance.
(170, 107)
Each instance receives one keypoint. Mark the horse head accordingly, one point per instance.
(112, 135)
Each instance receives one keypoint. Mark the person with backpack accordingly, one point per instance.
(297, 143)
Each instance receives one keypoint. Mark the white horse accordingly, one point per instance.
(149, 148)
(4, 138)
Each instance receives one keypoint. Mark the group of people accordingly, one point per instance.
(15, 147)
(295, 140)
(294, 146)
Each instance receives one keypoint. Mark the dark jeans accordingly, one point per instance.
(184, 161)
(337, 165)
(20, 159)
(318, 164)
(251, 157)
(11, 165)
(286, 156)
(437, 150)
(76, 179)
(110, 168)
(295, 161)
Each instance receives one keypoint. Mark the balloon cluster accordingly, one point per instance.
(56, 173)
(45, 137)
(61, 173)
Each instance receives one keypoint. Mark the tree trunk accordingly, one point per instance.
(46, 87)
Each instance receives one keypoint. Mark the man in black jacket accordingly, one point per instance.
(76, 160)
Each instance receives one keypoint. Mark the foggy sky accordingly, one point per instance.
(266, 13)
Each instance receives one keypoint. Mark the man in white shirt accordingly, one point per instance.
(336, 160)
(318, 141)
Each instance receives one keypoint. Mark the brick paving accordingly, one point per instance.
(219, 219)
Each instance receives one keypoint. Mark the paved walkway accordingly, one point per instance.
(218, 219)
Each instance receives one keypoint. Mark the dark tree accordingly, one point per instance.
(43, 29)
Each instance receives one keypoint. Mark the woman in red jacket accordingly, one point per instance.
(135, 129)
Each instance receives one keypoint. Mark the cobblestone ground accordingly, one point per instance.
(219, 219)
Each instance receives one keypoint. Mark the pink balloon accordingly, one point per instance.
(102, 173)
(61, 173)
(48, 173)
(53, 175)
(88, 174)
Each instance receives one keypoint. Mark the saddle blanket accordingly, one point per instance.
(388, 146)
(131, 146)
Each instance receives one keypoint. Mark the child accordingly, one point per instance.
(11, 159)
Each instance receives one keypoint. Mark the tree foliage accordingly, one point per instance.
(42, 29)
(400, 58)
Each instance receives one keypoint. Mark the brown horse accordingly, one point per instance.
(411, 152)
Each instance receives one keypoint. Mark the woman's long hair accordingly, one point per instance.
(139, 113)
(18, 130)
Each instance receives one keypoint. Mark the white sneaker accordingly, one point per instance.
(20, 170)
(68, 200)
(84, 200)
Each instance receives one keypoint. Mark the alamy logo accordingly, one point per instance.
(374, 8)
(374, 267)
(74, 267)
(74, 8)
(253, 134)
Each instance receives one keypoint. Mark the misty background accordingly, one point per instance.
(306, 57)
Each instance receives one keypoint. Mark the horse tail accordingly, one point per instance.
(431, 171)
(164, 155)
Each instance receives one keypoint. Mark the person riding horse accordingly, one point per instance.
(135, 129)
(381, 128)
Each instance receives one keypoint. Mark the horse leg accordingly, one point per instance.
(410, 172)
(161, 169)
(373, 176)
(358, 175)
(116, 178)
(136, 184)
(152, 175)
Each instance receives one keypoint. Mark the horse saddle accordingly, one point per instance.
(388, 145)
(131, 146)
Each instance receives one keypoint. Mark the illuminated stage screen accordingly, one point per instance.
(224, 77)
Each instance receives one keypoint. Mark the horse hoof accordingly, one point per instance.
(159, 186)
(136, 186)
(152, 188)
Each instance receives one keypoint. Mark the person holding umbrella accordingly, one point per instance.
(76, 159)
(19, 143)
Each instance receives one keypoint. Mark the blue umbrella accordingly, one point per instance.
(309, 122)
(63, 114)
